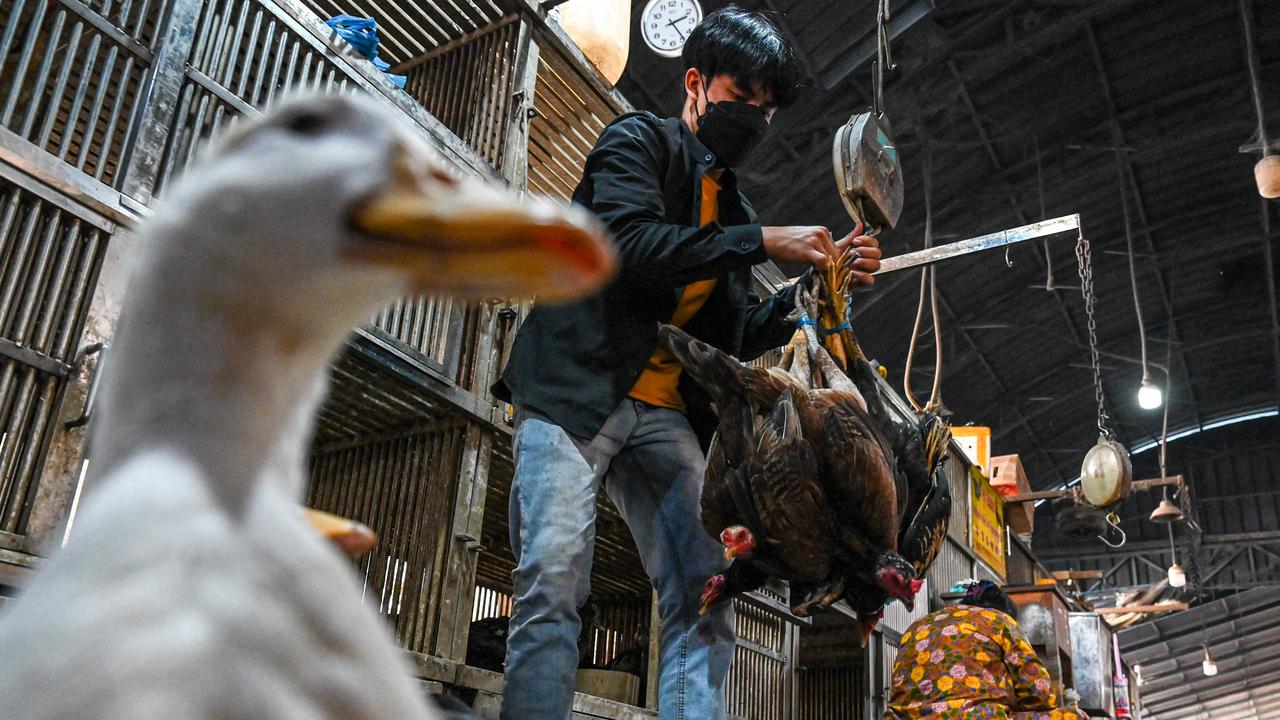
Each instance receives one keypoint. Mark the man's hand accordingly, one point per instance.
(801, 244)
(866, 252)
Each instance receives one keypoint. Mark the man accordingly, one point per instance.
(596, 402)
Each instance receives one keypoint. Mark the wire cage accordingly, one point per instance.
(832, 670)
(73, 109)
(389, 485)
(569, 113)
(71, 73)
(50, 257)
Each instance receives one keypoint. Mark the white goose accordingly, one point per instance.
(192, 587)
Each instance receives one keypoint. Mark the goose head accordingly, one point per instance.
(330, 203)
(295, 229)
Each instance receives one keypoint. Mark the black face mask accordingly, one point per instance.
(731, 130)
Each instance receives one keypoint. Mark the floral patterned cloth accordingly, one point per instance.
(965, 662)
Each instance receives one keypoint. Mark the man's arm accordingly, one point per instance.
(767, 326)
(626, 180)
(626, 177)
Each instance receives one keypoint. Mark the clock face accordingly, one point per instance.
(666, 24)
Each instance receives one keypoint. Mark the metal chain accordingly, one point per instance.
(1084, 267)
(883, 61)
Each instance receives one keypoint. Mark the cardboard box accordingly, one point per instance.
(1009, 478)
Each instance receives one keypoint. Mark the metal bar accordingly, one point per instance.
(10, 31)
(978, 244)
(855, 57)
(161, 89)
(451, 45)
(53, 44)
(37, 360)
(57, 183)
(104, 26)
(222, 93)
(86, 413)
(70, 51)
(77, 103)
(1050, 494)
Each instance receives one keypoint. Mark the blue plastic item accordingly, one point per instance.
(362, 34)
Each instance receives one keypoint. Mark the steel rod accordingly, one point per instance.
(978, 244)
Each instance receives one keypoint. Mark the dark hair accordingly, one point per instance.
(987, 594)
(747, 47)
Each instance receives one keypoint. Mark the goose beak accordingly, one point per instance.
(471, 238)
(353, 538)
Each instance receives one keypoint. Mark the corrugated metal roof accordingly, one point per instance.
(1242, 633)
(984, 84)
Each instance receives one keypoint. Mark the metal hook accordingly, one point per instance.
(1114, 521)
(1008, 262)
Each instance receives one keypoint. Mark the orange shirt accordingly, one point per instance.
(658, 385)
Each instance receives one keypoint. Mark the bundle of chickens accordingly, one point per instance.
(809, 479)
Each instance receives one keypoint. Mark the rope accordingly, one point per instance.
(1133, 273)
(928, 280)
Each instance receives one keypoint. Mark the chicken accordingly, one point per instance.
(803, 462)
(192, 587)
(487, 643)
(917, 447)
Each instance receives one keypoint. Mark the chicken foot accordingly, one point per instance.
(833, 376)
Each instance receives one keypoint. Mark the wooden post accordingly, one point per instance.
(457, 594)
(515, 159)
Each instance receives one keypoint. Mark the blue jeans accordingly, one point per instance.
(651, 464)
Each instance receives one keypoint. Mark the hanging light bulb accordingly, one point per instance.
(1177, 576)
(1209, 666)
(1149, 396)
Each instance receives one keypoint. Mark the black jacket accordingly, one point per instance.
(574, 362)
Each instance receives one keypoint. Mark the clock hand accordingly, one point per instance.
(672, 23)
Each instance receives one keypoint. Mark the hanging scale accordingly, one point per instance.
(1106, 473)
(867, 166)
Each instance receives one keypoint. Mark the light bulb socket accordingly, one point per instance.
(1166, 512)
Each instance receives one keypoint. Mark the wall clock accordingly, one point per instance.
(666, 24)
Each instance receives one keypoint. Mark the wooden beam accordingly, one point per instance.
(1125, 610)
(1077, 575)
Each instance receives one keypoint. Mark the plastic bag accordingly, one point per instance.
(362, 34)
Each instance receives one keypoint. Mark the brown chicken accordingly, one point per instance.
(760, 495)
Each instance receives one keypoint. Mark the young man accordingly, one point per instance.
(598, 403)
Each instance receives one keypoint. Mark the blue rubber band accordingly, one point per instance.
(832, 331)
(804, 321)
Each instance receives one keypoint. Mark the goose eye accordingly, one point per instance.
(307, 124)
